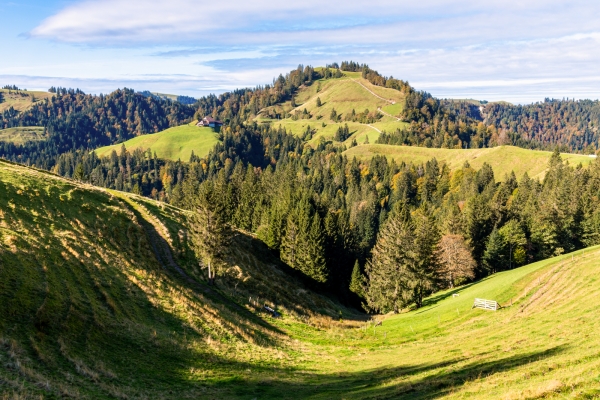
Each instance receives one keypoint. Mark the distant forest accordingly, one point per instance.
(375, 232)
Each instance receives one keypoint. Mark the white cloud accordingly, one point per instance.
(497, 49)
(272, 22)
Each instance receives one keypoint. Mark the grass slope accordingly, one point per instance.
(20, 135)
(21, 100)
(172, 144)
(99, 298)
(342, 94)
(544, 345)
(503, 159)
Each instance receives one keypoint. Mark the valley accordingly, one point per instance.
(92, 308)
(328, 241)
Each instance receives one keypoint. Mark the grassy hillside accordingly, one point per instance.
(503, 159)
(172, 144)
(101, 298)
(342, 94)
(544, 345)
(21, 100)
(23, 134)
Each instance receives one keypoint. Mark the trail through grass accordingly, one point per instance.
(350, 92)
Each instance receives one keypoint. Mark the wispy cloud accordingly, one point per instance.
(268, 22)
(495, 49)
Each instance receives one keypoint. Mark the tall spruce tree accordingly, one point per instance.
(210, 234)
(493, 256)
(357, 281)
(423, 268)
(388, 269)
(290, 242)
(314, 264)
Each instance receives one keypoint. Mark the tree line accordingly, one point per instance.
(75, 121)
(325, 214)
(349, 224)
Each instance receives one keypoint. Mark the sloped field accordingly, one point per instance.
(174, 144)
(101, 298)
(503, 159)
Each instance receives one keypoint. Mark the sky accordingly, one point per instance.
(513, 50)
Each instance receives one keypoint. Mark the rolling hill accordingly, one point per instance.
(503, 159)
(21, 100)
(174, 144)
(100, 298)
(350, 92)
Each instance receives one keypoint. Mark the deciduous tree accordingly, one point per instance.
(455, 259)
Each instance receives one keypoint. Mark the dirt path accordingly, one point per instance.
(389, 115)
(373, 93)
(371, 126)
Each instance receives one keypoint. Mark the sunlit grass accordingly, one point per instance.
(176, 143)
(88, 310)
(503, 159)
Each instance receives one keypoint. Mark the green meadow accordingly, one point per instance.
(100, 297)
(21, 100)
(176, 143)
(20, 135)
(350, 92)
(503, 159)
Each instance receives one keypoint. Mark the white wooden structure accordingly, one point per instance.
(486, 304)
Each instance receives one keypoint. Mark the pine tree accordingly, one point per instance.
(388, 269)
(513, 237)
(493, 257)
(210, 234)
(290, 242)
(357, 281)
(423, 268)
(319, 104)
(78, 174)
(333, 115)
(313, 263)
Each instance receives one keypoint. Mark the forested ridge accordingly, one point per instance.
(328, 216)
(375, 231)
(77, 121)
(570, 124)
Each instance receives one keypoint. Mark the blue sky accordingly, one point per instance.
(519, 51)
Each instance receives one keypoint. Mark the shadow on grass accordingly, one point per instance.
(391, 383)
(164, 255)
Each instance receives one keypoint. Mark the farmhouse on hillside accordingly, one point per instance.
(209, 121)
